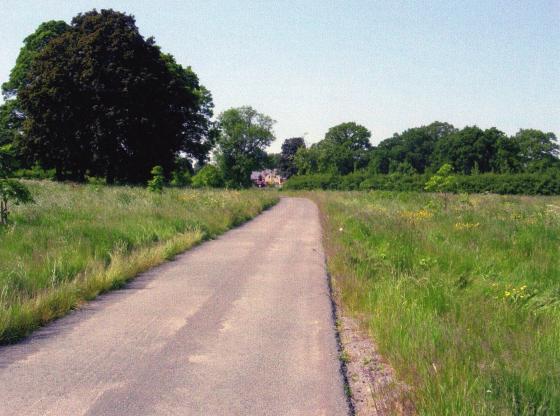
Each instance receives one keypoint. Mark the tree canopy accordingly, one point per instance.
(244, 135)
(286, 163)
(32, 46)
(344, 149)
(101, 99)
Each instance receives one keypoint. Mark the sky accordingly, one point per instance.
(388, 65)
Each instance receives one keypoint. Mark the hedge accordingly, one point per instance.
(547, 183)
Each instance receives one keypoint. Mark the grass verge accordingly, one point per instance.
(79, 241)
(463, 302)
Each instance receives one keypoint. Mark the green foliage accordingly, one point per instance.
(272, 161)
(306, 160)
(158, 179)
(94, 78)
(180, 178)
(470, 150)
(32, 46)
(290, 147)
(12, 192)
(244, 136)
(344, 149)
(455, 299)
(442, 181)
(538, 151)
(209, 176)
(35, 172)
(7, 160)
(413, 148)
(82, 240)
(10, 122)
(545, 183)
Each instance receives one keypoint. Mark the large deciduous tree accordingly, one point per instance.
(470, 150)
(287, 156)
(345, 148)
(244, 135)
(538, 150)
(411, 150)
(102, 99)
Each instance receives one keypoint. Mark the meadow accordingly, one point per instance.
(462, 300)
(77, 241)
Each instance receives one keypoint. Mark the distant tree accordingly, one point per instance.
(344, 149)
(306, 160)
(116, 105)
(469, 147)
(244, 136)
(538, 151)
(411, 150)
(208, 176)
(287, 163)
(272, 161)
(507, 155)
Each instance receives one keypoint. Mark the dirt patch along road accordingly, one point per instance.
(241, 325)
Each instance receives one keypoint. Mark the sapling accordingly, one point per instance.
(156, 183)
(442, 182)
(12, 192)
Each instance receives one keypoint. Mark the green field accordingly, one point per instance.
(463, 301)
(77, 241)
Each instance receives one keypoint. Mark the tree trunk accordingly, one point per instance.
(3, 211)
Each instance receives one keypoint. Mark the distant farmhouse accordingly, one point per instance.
(267, 177)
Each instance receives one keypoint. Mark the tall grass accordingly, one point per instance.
(78, 241)
(464, 302)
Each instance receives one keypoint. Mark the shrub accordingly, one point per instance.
(442, 181)
(180, 178)
(36, 172)
(156, 183)
(208, 177)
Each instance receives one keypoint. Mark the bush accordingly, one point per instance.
(36, 172)
(181, 178)
(208, 177)
(156, 183)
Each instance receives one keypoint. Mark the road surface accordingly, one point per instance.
(241, 325)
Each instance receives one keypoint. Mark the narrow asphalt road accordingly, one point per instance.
(241, 325)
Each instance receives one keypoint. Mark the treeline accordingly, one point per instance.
(95, 100)
(482, 160)
(346, 148)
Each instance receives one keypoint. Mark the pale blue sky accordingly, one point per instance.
(312, 64)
